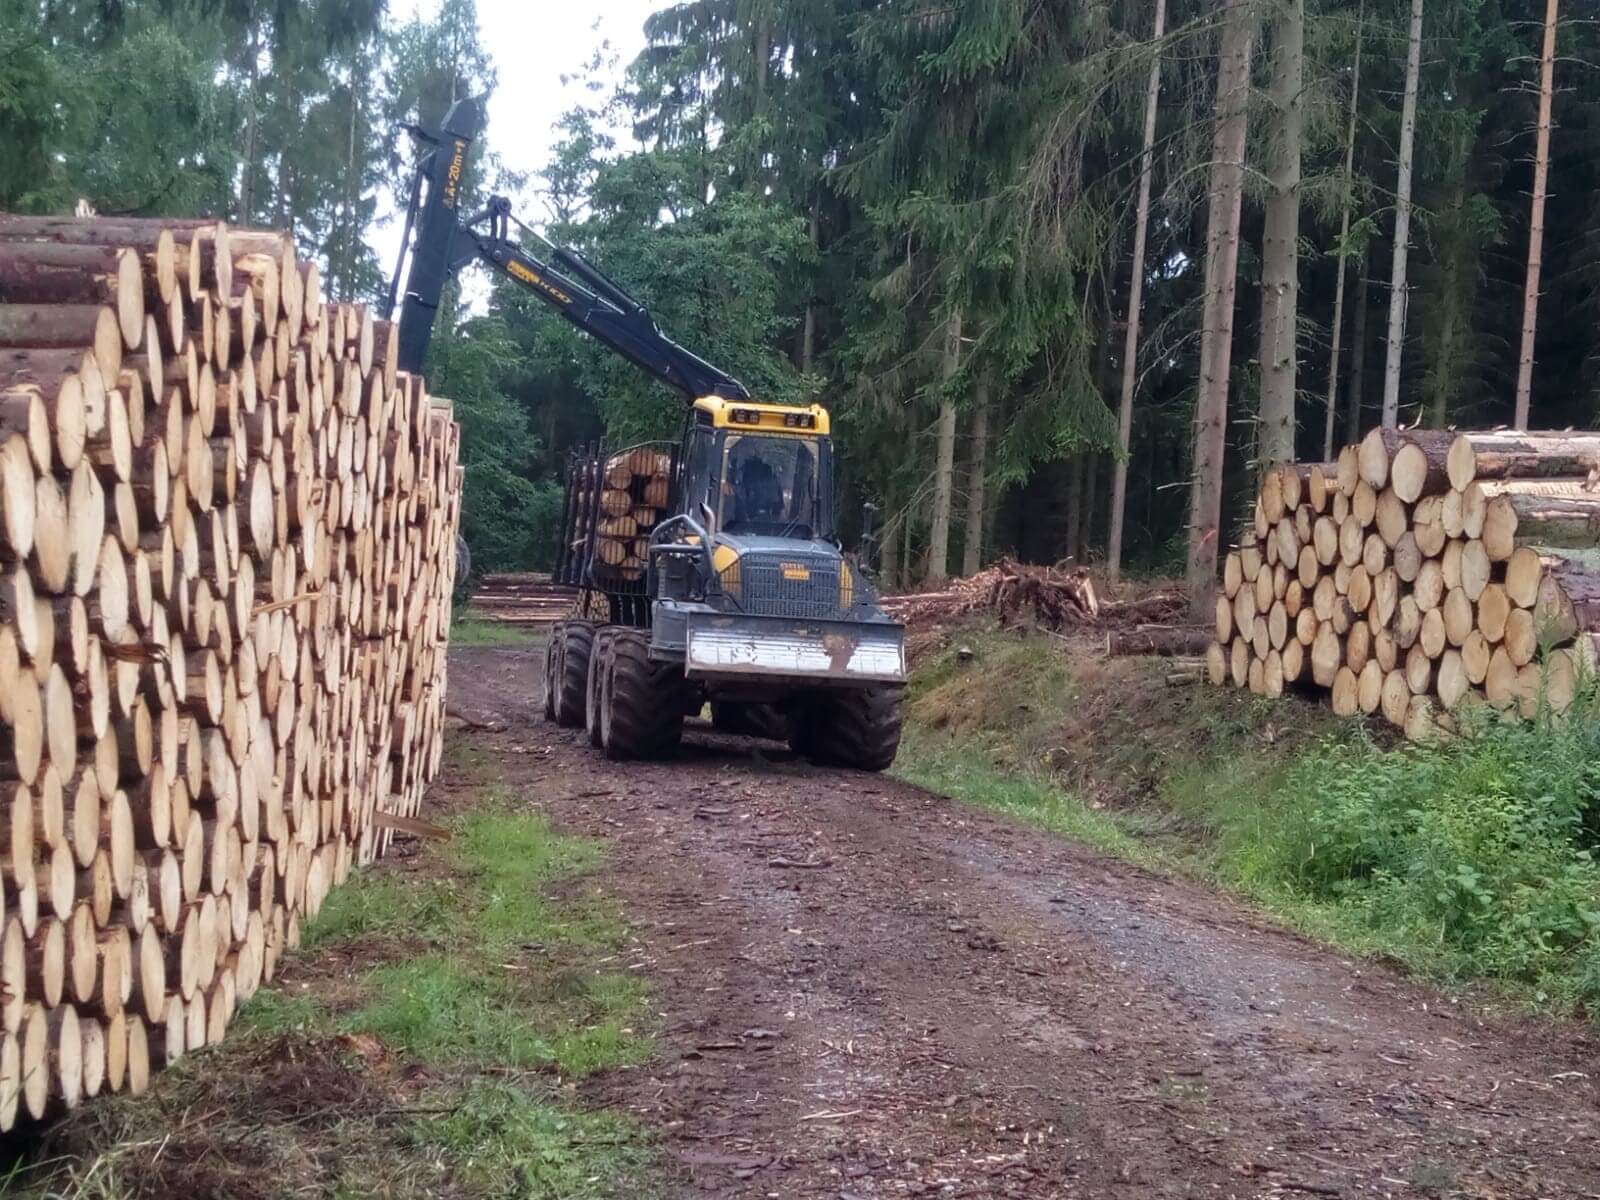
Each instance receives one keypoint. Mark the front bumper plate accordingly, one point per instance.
(833, 650)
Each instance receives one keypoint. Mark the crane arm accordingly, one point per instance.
(575, 288)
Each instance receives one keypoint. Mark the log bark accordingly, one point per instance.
(51, 273)
(1521, 455)
(1171, 641)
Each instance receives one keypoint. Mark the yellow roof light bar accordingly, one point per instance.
(768, 418)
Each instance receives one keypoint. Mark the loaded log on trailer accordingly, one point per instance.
(702, 571)
(1420, 574)
(226, 555)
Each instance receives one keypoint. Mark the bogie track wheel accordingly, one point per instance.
(858, 728)
(599, 662)
(552, 672)
(641, 710)
(572, 641)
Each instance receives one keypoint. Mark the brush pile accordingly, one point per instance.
(1058, 598)
(1422, 573)
(226, 555)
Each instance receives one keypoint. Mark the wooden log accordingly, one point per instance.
(65, 327)
(1511, 454)
(1568, 600)
(1523, 511)
(1395, 698)
(1171, 640)
(154, 237)
(38, 273)
(1369, 686)
(1426, 456)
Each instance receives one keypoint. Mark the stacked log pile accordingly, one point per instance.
(521, 599)
(632, 490)
(226, 531)
(1422, 573)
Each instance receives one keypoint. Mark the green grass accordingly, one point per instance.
(945, 765)
(375, 905)
(466, 629)
(1468, 861)
(480, 989)
(506, 1142)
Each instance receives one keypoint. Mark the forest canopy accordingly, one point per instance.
(936, 217)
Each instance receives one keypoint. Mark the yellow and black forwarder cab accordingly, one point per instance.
(705, 571)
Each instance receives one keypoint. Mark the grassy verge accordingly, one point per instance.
(469, 629)
(428, 1039)
(1472, 861)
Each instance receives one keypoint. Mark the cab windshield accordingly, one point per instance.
(770, 486)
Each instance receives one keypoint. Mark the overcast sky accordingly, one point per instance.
(535, 43)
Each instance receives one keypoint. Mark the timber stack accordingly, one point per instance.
(633, 491)
(226, 554)
(1422, 573)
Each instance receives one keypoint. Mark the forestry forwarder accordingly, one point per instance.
(706, 571)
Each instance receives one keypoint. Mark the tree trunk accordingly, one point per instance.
(1453, 301)
(1344, 237)
(1358, 356)
(978, 464)
(1402, 223)
(808, 331)
(1280, 254)
(1541, 176)
(1091, 474)
(944, 467)
(1074, 521)
(349, 234)
(1222, 265)
(252, 118)
(1130, 349)
(889, 557)
(762, 52)
(908, 570)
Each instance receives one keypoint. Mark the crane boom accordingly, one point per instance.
(574, 287)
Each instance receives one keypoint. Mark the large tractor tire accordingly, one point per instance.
(594, 693)
(567, 672)
(857, 729)
(641, 702)
(749, 720)
(552, 672)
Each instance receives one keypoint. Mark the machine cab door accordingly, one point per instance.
(700, 476)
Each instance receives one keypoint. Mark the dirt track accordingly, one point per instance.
(866, 990)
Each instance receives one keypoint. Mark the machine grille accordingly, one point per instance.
(770, 586)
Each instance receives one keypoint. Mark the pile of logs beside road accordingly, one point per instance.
(1422, 573)
(227, 529)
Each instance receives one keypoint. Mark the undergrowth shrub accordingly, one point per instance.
(1479, 852)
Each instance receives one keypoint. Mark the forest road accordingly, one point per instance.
(865, 990)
